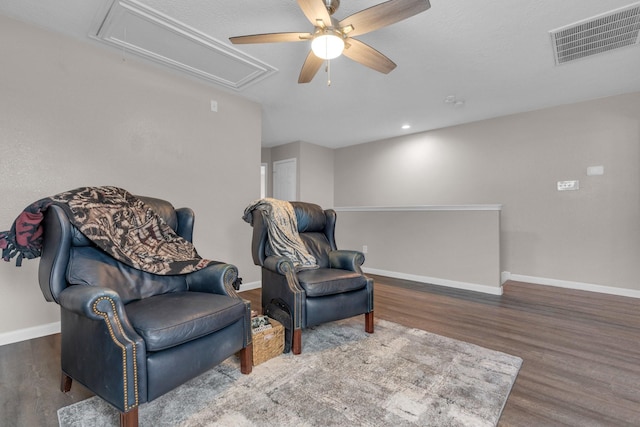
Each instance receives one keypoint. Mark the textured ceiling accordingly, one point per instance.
(496, 55)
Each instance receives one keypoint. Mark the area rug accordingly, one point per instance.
(344, 377)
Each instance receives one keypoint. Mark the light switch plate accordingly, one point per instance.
(568, 185)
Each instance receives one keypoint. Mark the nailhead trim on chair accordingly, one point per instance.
(294, 286)
(107, 320)
(229, 277)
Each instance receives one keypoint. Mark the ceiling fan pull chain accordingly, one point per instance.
(328, 70)
(124, 45)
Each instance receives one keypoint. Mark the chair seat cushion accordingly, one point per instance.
(168, 320)
(329, 281)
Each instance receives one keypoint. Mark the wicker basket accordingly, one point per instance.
(268, 343)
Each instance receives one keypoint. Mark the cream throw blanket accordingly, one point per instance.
(282, 227)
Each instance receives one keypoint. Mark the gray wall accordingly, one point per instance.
(265, 156)
(589, 236)
(75, 114)
(316, 174)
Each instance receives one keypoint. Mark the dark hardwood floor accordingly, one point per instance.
(581, 352)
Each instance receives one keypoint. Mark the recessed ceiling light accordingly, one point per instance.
(454, 101)
(406, 126)
(450, 99)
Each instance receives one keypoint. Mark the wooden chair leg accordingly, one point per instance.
(296, 344)
(129, 419)
(65, 383)
(246, 359)
(368, 322)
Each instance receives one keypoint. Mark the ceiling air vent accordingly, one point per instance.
(602, 33)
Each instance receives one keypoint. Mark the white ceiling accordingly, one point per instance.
(496, 55)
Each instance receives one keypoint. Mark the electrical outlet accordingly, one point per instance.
(568, 185)
(365, 248)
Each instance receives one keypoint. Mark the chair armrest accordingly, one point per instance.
(91, 301)
(215, 278)
(278, 264)
(346, 260)
(100, 347)
(99, 303)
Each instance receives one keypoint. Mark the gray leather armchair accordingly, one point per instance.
(336, 290)
(131, 336)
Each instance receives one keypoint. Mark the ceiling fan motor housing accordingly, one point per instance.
(332, 5)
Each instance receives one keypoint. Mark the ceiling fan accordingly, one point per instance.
(331, 38)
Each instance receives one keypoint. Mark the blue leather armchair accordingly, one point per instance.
(336, 290)
(130, 336)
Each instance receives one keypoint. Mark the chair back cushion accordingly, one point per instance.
(312, 228)
(92, 266)
(310, 217)
(318, 246)
(163, 209)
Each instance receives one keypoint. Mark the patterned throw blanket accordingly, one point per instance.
(116, 221)
(282, 228)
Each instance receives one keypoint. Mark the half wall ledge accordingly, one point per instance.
(449, 245)
(495, 207)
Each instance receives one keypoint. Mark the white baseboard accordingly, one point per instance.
(611, 290)
(250, 285)
(493, 290)
(29, 333)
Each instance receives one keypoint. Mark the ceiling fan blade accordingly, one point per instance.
(368, 56)
(270, 38)
(315, 10)
(310, 68)
(383, 14)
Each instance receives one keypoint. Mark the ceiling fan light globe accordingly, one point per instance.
(327, 46)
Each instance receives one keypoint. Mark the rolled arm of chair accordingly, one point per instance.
(91, 301)
(217, 278)
(278, 264)
(346, 260)
(284, 285)
(99, 303)
(89, 310)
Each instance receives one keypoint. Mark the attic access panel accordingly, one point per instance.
(138, 29)
(602, 33)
